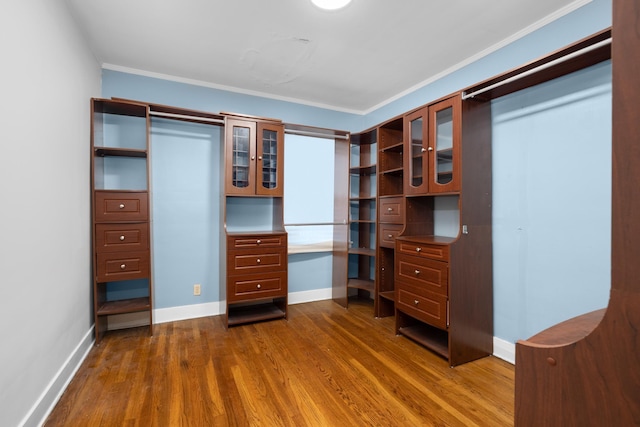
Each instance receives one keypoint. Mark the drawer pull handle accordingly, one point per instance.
(123, 266)
(417, 272)
(259, 286)
(258, 241)
(390, 236)
(416, 302)
(122, 238)
(121, 206)
(418, 249)
(390, 209)
(258, 261)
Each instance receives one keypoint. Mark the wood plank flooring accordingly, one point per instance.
(325, 366)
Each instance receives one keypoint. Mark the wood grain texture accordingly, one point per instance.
(325, 366)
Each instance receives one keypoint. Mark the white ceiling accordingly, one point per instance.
(354, 60)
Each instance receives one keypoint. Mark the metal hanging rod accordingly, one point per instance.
(187, 117)
(316, 224)
(538, 68)
(315, 134)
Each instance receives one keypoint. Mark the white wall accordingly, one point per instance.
(46, 79)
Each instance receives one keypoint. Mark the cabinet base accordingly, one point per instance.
(255, 313)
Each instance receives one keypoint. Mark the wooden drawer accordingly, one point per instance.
(388, 234)
(114, 266)
(256, 241)
(423, 250)
(122, 237)
(112, 206)
(423, 273)
(392, 210)
(425, 306)
(258, 260)
(256, 286)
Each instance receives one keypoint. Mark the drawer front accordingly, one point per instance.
(114, 206)
(255, 286)
(423, 273)
(426, 306)
(392, 210)
(113, 266)
(424, 250)
(388, 234)
(122, 237)
(257, 241)
(256, 261)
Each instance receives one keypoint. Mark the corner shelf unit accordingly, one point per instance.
(362, 214)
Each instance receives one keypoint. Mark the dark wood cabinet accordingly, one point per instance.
(254, 275)
(432, 148)
(120, 211)
(255, 157)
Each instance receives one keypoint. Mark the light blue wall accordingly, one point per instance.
(552, 202)
(185, 167)
(148, 89)
(174, 285)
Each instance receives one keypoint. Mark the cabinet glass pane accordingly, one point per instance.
(417, 151)
(240, 167)
(269, 158)
(444, 146)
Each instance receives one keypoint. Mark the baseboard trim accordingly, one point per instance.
(173, 314)
(54, 390)
(504, 350)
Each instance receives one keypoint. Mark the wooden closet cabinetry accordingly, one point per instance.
(254, 158)
(255, 270)
(432, 155)
(121, 211)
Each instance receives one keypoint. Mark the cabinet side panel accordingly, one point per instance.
(340, 219)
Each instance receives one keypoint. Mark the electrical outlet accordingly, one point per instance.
(196, 289)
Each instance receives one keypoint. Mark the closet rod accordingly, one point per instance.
(316, 223)
(538, 68)
(315, 134)
(186, 117)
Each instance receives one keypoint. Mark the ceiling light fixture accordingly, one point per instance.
(331, 4)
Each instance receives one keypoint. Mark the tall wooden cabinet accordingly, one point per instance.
(443, 278)
(391, 212)
(362, 214)
(255, 273)
(120, 211)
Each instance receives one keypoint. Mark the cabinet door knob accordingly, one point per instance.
(418, 249)
(430, 148)
(416, 302)
(121, 206)
(422, 150)
(258, 260)
(253, 157)
(259, 157)
(123, 266)
(417, 272)
(121, 238)
(259, 286)
(258, 241)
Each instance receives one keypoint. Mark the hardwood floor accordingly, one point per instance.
(325, 366)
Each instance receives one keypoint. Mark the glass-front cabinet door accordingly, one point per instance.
(416, 158)
(445, 131)
(270, 150)
(240, 157)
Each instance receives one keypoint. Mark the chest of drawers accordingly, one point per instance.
(256, 277)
